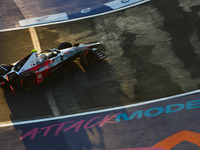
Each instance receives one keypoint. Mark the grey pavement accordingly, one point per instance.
(10, 14)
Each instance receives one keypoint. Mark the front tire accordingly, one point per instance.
(27, 81)
(87, 57)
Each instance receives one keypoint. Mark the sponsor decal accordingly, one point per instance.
(125, 1)
(42, 19)
(87, 10)
(42, 69)
(39, 76)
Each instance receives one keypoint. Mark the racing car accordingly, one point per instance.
(38, 67)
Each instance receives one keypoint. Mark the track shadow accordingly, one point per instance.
(91, 88)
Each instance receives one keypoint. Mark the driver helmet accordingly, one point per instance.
(43, 56)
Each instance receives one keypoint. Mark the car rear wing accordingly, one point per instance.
(93, 45)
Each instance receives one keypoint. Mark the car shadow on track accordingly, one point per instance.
(77, 90)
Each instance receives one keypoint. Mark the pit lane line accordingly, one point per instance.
(7, 124)
(48, 93)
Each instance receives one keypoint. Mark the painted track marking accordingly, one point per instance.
(48, 92)
(98, 111)
(52, 102)
(76, 19)
(35, 39)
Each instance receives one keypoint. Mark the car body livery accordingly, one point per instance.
(36, 68)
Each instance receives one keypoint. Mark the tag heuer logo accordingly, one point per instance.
(39, 76)
(125, 1)
(87, 10)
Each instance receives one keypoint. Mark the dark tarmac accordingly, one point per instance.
(153, 52)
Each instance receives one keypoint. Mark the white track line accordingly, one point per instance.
(52, 102)
(76, 19)
(98, 111)
(48, 92)
(35, 40)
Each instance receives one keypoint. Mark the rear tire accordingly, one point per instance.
(27, 81)
(87, 57)
(64, 45)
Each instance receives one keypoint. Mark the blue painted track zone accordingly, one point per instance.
(46, 7)
(77, 11)
(153, 126)
(14, 11)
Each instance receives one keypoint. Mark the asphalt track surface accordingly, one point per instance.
(12, 11)
(157, 125)
(153, 52)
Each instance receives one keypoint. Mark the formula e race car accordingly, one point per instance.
(36, 68)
